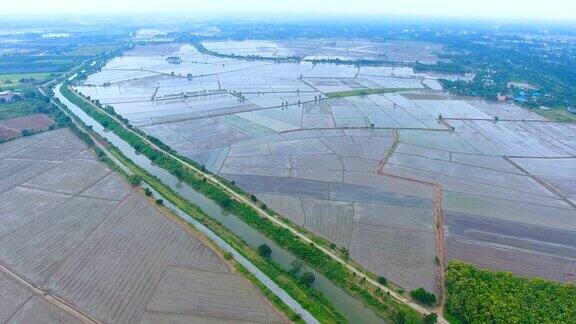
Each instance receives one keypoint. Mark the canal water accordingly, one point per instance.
(352, 308)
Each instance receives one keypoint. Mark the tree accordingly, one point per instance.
(178, 173)
(253, 198)
(296, 267)
(147, 192)
(307, 278)
(99, 153)
(423, 297)
(264, 250)
(382, 280)
(135, 179)
(159, 201)
(225, 201)
(430, 318)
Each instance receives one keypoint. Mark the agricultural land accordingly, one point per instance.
(379, 160)
(79, 244)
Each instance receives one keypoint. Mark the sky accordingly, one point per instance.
(523, 10)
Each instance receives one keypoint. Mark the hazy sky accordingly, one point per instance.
(555, 10)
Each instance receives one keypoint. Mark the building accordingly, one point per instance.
(8, 96)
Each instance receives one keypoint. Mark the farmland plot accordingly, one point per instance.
(154, 243)
(559, 174)
(70, 177)
(193, 292)
(502, 245)
(18, 304)
(12, 296)
(36, 310)
(80, 231)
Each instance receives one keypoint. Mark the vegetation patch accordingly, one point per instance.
(93, 49)
(365, 92)
(22, 80)
(557, 115)
(483, 296)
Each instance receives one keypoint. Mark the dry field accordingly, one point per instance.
(11, 128)
(18, 304)
(73, 229)
(324, 163)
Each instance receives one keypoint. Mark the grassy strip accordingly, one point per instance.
(333, 270)
(483, 296)
(364, 92)
(557, 115)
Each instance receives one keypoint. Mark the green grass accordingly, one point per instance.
(557, 115)
(37, 76)
(482, 296)
(18, 109)
(92, 50)
(365, 92)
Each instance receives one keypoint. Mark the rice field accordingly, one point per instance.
(343, 49)
(75, 230)
(359, 171)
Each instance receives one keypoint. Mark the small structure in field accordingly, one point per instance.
(174, 60)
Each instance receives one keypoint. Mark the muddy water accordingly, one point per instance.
(352, 308)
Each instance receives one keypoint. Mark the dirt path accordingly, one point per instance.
(389, 152)
(439, 224)
(441, 253)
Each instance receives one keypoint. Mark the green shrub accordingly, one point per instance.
(264, 250)
(307, 278)
(382, 280)
(423, 297)
(135, 180)
(430, 318)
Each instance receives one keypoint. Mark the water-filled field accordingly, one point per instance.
(372, 172)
